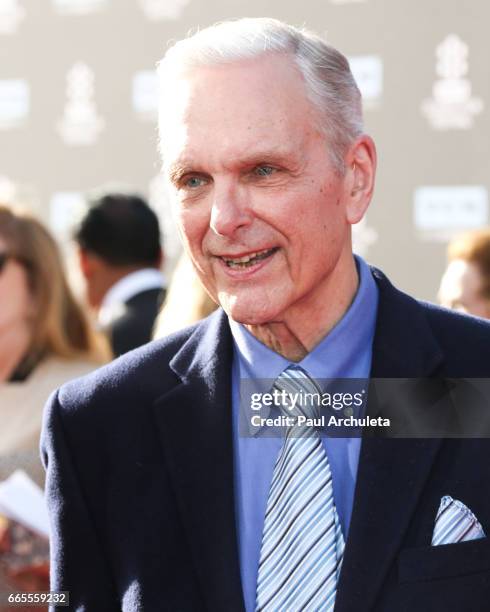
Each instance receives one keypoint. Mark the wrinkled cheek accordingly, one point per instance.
(193, 228)
(196, 249)
(188, 234)
(184, 226)
(208, 281)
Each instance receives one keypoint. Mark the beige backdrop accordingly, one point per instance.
(393, 45)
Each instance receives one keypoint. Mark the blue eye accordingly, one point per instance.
(264, 170)
(193, 182)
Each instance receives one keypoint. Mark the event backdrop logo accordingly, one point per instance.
(347, 1)
(80, 124)
(78, 7)
(14, 103)
(368, 73)
(452, 106)
(11, 14)
(442, 211)
(155, 10)
(144, 95)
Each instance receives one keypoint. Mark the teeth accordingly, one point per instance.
(240, 262)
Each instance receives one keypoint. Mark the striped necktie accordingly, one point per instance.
(302, 542)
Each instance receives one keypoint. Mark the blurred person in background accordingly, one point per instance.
(187, 301)
(45, 338)
(465, 285)
(120, 257)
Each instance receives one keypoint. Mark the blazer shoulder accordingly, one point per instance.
(415, 336)
(464, 339)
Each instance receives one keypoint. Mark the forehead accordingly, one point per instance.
(229, 109)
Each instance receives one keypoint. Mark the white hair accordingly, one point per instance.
(329, 83)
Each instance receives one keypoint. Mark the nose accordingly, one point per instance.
(230, 211)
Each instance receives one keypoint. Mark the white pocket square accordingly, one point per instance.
(455, 522)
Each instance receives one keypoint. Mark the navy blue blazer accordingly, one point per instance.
(139, 463)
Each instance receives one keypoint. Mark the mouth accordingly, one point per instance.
(249, 260)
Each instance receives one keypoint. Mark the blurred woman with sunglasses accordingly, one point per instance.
(45, 338)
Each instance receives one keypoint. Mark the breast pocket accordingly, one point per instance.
(444, 561)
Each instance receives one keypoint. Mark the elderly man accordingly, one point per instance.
(158, 499)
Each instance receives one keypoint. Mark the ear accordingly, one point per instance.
(359, 177)
(86, 262)
(161, 259)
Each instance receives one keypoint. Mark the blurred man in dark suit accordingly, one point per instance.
(120, 257)
(158, 499)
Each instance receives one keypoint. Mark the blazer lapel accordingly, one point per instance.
(195, 425)
(392, 472)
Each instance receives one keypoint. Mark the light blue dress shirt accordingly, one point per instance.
(344, 353)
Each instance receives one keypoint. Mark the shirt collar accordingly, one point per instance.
(132, 284)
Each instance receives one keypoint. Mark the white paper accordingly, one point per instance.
(23, 501)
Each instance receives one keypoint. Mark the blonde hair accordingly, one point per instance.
(59, 325)
(187, 301)
(474, 247)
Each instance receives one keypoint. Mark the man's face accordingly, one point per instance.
(259, 204)
(461, 289)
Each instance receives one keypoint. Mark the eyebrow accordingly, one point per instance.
(177, 170)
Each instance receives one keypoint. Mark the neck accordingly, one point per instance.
(308, 322)
(14, 343)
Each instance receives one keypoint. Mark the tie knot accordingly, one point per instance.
(299, 394)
